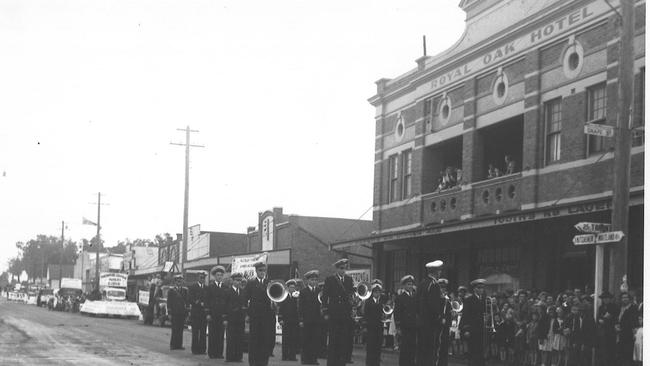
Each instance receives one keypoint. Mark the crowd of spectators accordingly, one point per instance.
(509, 168)
(449, 178)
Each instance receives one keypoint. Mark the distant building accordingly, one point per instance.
(55, 272)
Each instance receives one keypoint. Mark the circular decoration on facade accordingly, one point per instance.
(443, 205)
(498, 194)
(485, 196)
(433, 206)
(573, 60)
(452, 203)
(500, 88)
(399, 128)
(444, 111)
(511, 191)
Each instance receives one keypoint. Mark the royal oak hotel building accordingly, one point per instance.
(481, 158)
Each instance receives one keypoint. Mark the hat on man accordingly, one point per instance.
(443, 282)
(290, 282)
(377, 287)
(178, 276)
(236, 276)
(216, 269)
(202, 273)
(312, 274)
(406, 279)
(341, 262)
(377, 281)
(437, 264)
(606, 295)
(462, 288)
(259, 265)
(477, 282)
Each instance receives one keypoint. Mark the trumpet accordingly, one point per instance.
(363, 291)
(277, 291)
(388, 309)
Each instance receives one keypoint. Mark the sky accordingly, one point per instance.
(93, 92)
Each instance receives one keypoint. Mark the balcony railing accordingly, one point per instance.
(497, 195)
(444, 206)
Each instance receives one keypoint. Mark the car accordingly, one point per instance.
(44, 296)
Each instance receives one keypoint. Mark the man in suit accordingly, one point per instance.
(197, 299)
(405, 313)
(288, 318)
(176, 305)
(607, 313)
(261, 317)
(217, 308)
(337, 308)
(236, 320)
(372, 319)
(443, 350)
(625, 323)
(310, 319)
(149, 314)
(472, 322)
(581, 336)
(429, 305)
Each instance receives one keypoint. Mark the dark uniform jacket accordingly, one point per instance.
(627, 321)
(236, 305)
(217, 301)
(405, 311)
(176, 301)
(429, 302)
(472, 319)
(309, 306)
(372, 314)
(289, 310)
(259, 305)
(582, 330)
(337, 297)
(606, 328)
(152, 294)
(197, 299)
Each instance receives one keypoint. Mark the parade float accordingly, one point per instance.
(113, 301)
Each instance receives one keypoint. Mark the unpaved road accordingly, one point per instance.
(30, 335)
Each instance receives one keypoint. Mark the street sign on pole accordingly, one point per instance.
(593, 227)
(585, 239)
(599, 130)
(609, 237)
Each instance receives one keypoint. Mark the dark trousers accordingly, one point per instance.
(259, 340)
(338, 338)
(374, 340)
(324, 336)
(311, 342)
(215, 340)
(443, 349)
(349, 341)
(235, 341)
(407, 347)
(428, 345)
(148, 315)
(272, 331)
(290, 340)
(606, 351)
(178, 323)
(198, 335)
(475, 348)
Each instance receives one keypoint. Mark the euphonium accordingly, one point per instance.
(363, 290)
(456, 307)
(277, 291)
(387, 309)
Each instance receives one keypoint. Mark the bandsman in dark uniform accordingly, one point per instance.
(372, 319)
(337, 303)
(217, 304)
(177, 311)
(443, 352)
(405, 321)
(607, 315)
(261, 315)
(324, 326)
(288, 318)
(197, 299)
(310, 319)
(472, 323)
(429, 305)
(236, 320)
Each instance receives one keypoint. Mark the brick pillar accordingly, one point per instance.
(533, 139)
(472, 142)
(379, 174)
(417, 162)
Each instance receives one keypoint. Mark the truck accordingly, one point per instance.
(112, 286)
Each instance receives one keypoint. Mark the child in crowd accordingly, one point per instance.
(532, 339)
(520, 344)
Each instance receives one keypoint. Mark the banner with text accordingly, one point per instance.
(359, 275)
(245, 264)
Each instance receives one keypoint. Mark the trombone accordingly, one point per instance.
(489, 314)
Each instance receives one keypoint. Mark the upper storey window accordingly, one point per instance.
(393, 190)
(596, 112)
(553, 117)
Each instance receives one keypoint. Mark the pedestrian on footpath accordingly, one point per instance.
(176, 305)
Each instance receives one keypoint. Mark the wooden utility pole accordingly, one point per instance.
(183, 248)
(618, 253)
(99, 205)
(62, 251)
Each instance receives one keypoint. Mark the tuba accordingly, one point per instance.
(363, 290)
(277, 291)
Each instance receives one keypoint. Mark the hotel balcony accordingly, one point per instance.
(497, 195)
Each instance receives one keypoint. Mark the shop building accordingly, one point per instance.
(481, 158)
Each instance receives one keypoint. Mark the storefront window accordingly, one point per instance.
(500, 267)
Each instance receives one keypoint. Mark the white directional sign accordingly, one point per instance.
(593, 227)
(584, 239)
(609, 237)
(599, 130)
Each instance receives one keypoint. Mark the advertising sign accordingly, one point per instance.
(112, 280)
(143, 297)
(74, 283)
(244, 264)
(359, 275)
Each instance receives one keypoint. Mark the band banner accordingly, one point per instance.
(359, 275)
(245, 264)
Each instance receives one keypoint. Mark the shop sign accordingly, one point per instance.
(143, 297)
(599, 130)
(112, 280)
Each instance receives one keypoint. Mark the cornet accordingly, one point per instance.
(277, 291)
(387, 309)
(363, 291)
